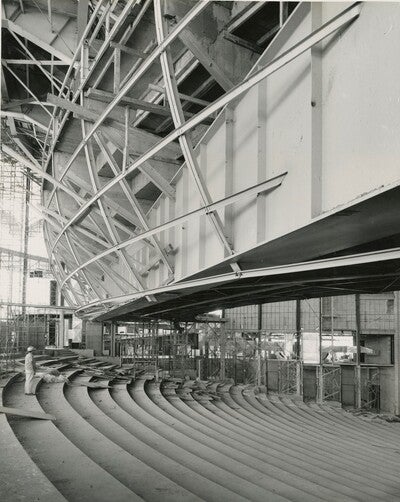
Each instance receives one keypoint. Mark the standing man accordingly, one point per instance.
(30, 368)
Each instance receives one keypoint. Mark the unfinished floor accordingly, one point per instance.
(185, 440)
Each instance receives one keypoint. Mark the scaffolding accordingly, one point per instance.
(341, 344)
(24, 270)
(370, 389)
(321, 349)
(163, 348)
(209, 351)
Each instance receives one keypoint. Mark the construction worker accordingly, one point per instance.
(30, 368)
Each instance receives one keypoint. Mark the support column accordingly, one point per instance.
(259, 365)
(113, 329)
(61, 341)
(357, 369)
(222, 374)
(94, 337)
(234, 362)
(25, 242)
(206, 357)
(298, 329)
(299, 379)
(299, 363)
(155, 349)
(320, 369)
(396, 397)
(260, 376)
(83, 335)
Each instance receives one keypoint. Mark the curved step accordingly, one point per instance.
(275, 460)
(74, 474)
(322, 416)
(269, 462)
(334, 433)
(380, 428)
(349, 464)
(280, 453)
(363, 452)
(190, 441)
(14, 460)
(324, 435)
(163, 455)
(300, 440)
(222, 468)
(77, 419)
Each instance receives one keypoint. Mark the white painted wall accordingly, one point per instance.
(361, 104)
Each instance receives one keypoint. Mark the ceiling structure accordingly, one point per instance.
(172, 184)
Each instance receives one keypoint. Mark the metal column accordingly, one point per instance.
(357, 369)
(320, 368)
(61, 341)
(396, 396)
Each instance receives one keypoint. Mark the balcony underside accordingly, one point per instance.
(348, 250)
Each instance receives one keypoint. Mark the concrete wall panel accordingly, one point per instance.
(361, 105)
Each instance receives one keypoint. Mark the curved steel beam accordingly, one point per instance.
(305, 44)
(255, 190)
(292, 268)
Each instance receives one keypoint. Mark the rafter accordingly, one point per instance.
(26, 88)
(111, 273)
(108, 221)
(132, 200)
(140, 104)
(93, 204)
(136, 137)
(6, 23)
(36, 62)
(264, 187)
(126, 35)
(182, 97)
(75, 255)
(302, 46)
(70, 292)
(12, 153)
(90, 251)
(90, 70)
(190, 41)
(127, 86)
(184, 140)
(68, 252)
(23, 118)
(82, 238)
(45, 72)
(128, 50)
(113, 204)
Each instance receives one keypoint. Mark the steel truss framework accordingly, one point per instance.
(98, 230)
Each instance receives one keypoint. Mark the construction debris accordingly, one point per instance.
(370, 416)
(25, 413)
(48, 378)
(92, 385)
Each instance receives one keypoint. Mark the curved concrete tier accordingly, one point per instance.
(191, 441)
(14, 460)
